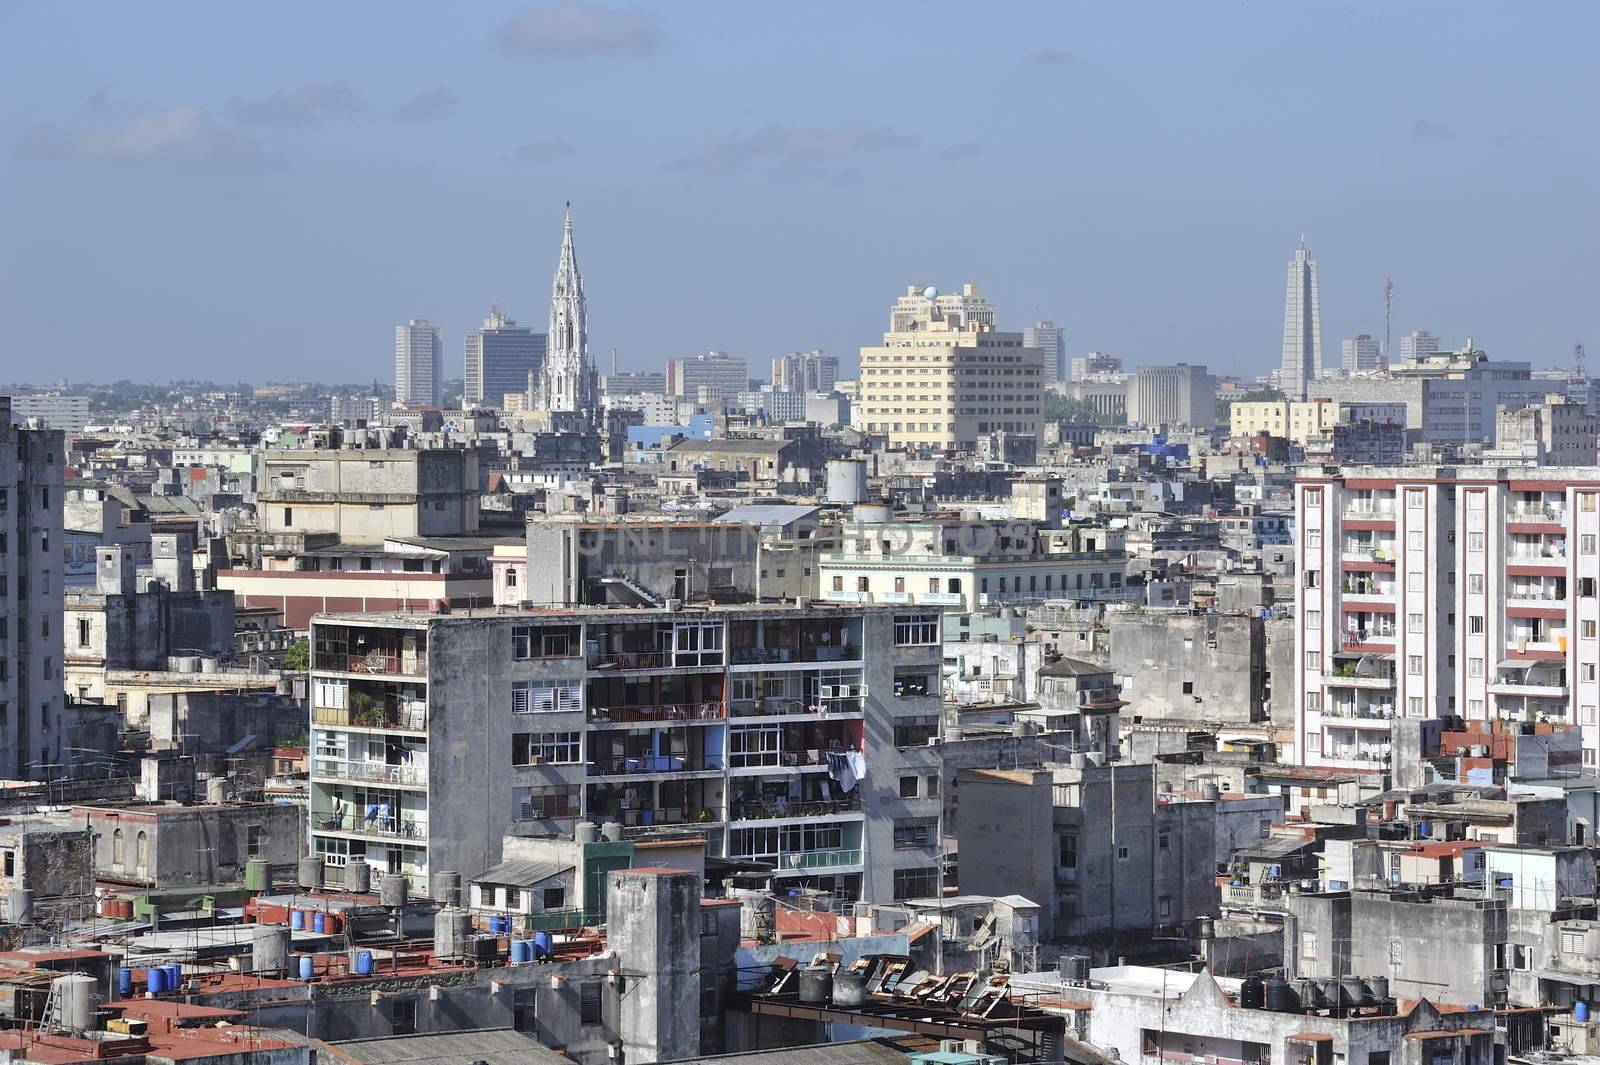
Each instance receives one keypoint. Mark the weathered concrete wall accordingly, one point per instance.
(654, 923)
(1190, 667)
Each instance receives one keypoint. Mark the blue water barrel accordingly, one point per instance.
(1580, 1011)
(1424, 830)
(124, 982)
(500, 925)
(155, 981)
(297, 919)
(174, 977)
(521, 952)
(542, 944)
(308, 967)
(364, 963)
(319, 922)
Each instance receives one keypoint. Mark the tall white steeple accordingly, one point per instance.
(567, 382)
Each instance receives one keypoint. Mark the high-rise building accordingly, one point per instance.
(713, 374)
(31, 581)
(1047, 337)
(501, 359)
(418, 364)
(1435, 592)
(1094, 366)
(1302, 327)
(1360, 354)
(805, 371)
(1419, 343)
(567, 381)
(1173, 395)
(52, 410)
(944, 376)
(793, 737)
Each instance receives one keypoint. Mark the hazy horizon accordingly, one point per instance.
(209, 192)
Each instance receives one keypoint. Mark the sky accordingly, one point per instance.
(262, 192)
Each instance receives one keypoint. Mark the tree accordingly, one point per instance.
(298, 656)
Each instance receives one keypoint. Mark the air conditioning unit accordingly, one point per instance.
(861, 690)
(826, 691)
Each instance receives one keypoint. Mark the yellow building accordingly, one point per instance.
(944, 376)
(1293, 421)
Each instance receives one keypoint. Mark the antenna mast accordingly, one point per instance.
(1388, 316)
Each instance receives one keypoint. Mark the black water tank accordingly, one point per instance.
(1281, 998)
(1253, 993)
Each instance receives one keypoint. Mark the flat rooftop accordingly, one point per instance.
(620, 613)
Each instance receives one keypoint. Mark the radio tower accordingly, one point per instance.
(1388, 316)
(1577, 362)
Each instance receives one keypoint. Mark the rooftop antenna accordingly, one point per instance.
(1577, 362)
(1388, 316)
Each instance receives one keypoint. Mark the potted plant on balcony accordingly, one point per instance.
(364, 709)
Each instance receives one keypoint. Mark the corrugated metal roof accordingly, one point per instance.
(497, 1046)
(864, 1052)
(521, 873)
(765, 514)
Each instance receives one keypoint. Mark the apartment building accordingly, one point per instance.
(1302, 421)
(967, 564)
(944, 376)
(31, 580)
(1436, 591)
(363, 495)
(786, 735)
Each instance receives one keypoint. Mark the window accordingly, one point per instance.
(1414, 582)
(1313, 619)
(1314, 701)
(523, 1014)
(528, 698)
(1414, 665)
(1415, 499)
(1414, 540)
(1413, 622)
(83, 632)
(1475, 542)
(553, 898)
(1586, 672)
(915, 731)
(916, 630)
(1313, 538)
(914, 833)
(909, 787)
(1067, 851)
(933, 787)
(1586, 587)
(1586, 543)
(838, 584)
(1313, 661)
(913, 683)
(1474, 624)
(1122, 853)
(1313, 578)
(118, 848)
(549, 802)
(1413, 706)
(545, 641)
(1572, 942)
(1586, 629)
(915, 883)
(288, 517)
(546, 748)
(1586, 501)
(1163, 840)
(1313, 742)
(253, 837)
(1313, 497)
(1308, 946)
(1474, 583)
(1587, 715)
(1474, 667)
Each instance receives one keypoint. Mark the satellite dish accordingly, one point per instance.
(931, 293)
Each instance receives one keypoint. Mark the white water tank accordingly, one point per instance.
(74, 1006)
(847, 480)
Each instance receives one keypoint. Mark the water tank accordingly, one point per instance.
(297, 919)
(816, 986)
(446, 888)
(319, 923)
(269, 950)
(19, 905)
(871, 513)
(1580, 1011)
(1351, 991)
(363, 963)
(155, 981)
(757, 914)
(611, 832)
(174, 977)
(543, 945)
(124, 983)
(74, 1001)
(1205, 928)
(1253, 993)
(1380, 987)
(392, 890)
(521, 951)
(1075, 968)
(308, 967)
(451, 928)
(586, 832)
(847, 480)
(849, 989)
(1331, 996)
(1424, 830)
(1369, 997)
(309, 873)
(217, 790)
(257, 875)
(358, 877)
(1281, 997)
(1310, 993)
(1210, 792)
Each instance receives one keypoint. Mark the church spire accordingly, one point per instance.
(567, 381)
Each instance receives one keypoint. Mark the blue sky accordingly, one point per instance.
(262, 192)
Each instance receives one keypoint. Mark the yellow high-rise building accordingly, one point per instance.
(944, 376)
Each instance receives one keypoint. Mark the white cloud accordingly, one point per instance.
(304, 105)
(185, 138)
(578, 31)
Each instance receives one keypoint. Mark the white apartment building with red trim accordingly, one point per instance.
(1432, 592)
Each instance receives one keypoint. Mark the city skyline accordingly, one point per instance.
(134, 161)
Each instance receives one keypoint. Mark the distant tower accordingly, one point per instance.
(1388, 317)
(567, 382)
(1302, 327)
(418, 364)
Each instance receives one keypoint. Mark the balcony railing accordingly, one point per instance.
(1535, 512)
(412, 716)
(369, 822)
(376, 662)
(630, 660)
(1380, 712)
(711, 710)
(369, 772)
(1369, 508)
(778, 705)
(819, 859)
(757, 810)
(754, 656)
(653, 763)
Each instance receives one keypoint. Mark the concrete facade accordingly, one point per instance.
(365, 495)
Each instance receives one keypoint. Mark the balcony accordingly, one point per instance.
(765, 810)
(1379, 641)
(777, 706)
(375, 663)
(801, 861)
(1268, 896)
(942, 599)
(1529, 681)
(635, 765)
(630, 660)
(1371, 715)
(415, 776)
(711, 710)
(409, 717)
(369, 822)
(1361, 674)
(1538, 514)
